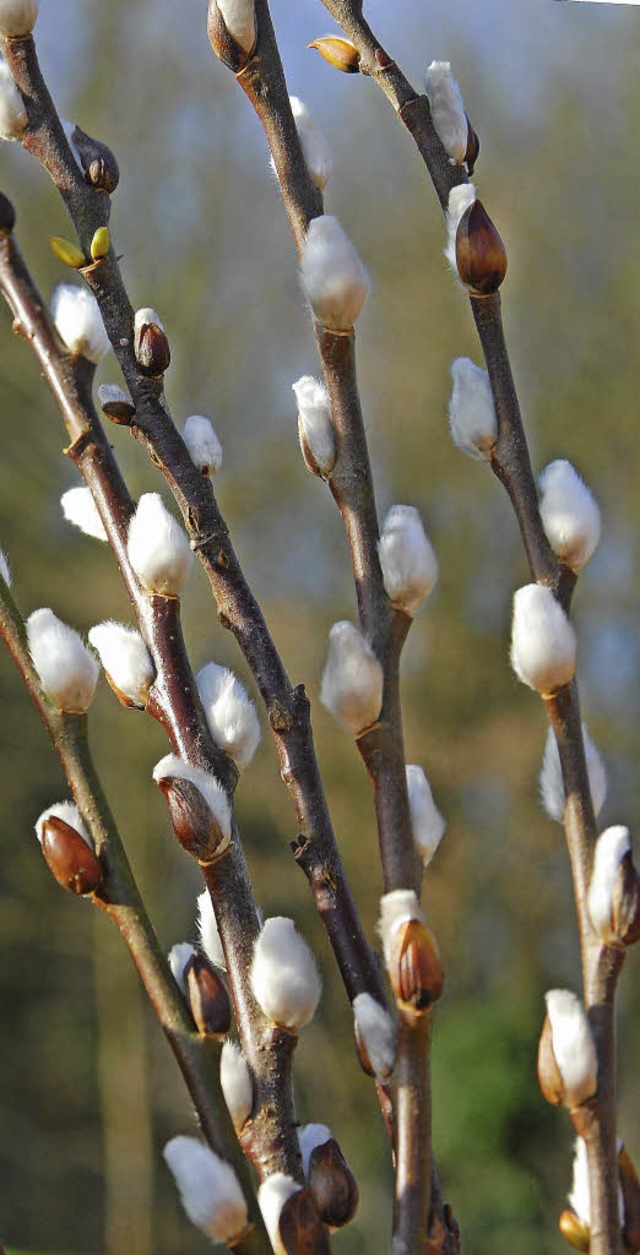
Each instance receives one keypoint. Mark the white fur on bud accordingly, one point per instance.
(69, 813)
(236, 1083)
(472, 415)
(570, 514)
(310, 1136)
(447, 109)
(551, 782)
(179, 956)
(352, 680)
(80, 509)
(377, 1032)
(13, 115)
(427, 825)
(208, 931)
(17, 17)
(231, 714)
(213, 793)
(460, 198)
(146, 317)
(272, 1196)
(396, 908)
(284, 977)
(611, 847)
(110, 393)
(334, 279)
(579, 1198)
(573, 1045)
(209, 1188)
(407, 558)
(239, 18)
(5, 572)
(68, 671)
(75, 312)
(158, 548)
(315, 149)
(315, 424)
(543, 642)
(204, 447)
(125, 657)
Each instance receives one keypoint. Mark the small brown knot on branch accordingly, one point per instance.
(280, 718)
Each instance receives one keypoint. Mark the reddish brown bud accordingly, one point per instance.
(333, 1185)
(194, 823)
(415, 966)
(549, 1074)
(7, 215)
(473, 148)
(339, 53)
(481, 259)
(74, 864)
(301, 1230)
(97, 160)
(207, 997)
(630, 1187)
(574, 1231)
(625, 905)
(150, 343)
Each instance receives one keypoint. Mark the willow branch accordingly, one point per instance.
(174, 698)
(198, 1056)
(287, 707)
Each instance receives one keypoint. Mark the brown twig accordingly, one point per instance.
(198, 1056)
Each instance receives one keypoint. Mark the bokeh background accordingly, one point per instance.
(88, 1091)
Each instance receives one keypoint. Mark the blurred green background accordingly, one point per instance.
(88, 1091)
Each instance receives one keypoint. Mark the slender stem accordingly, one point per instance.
(197, 1056)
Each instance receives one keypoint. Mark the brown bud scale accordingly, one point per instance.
(415, 966)
(333, 1185)
(207, 997)
(301, 1230)
(574, 1231)
(194, 824)
(73, 863)
(481, 258)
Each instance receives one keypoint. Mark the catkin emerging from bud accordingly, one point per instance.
(68, 671)
(407, 558)
(447, 109)
(236, 1083)
(158, 548)
(17, 17)
(551, 782)
(209, 1189)
(570, 514)
(80, 509)
(315, 149)
(173, 768)
(472, 416)
(126, 660)
(315, 426)
(75, 312)
(427, 825)
(567, 1062)
(376, 1036)
(334, 279)
(13, 115)
(204, 447)
(284, 976)
(543, 642)
(613, 892)
(231, 714)
(352, 681)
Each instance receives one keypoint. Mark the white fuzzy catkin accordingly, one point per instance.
(208, 931)
(460, 199)
(231, 714)
(551, 782)
(158, 548)
(407, 558)
(213, 793)
(125, 658)
(427, 825)
(315, 149)
(209, 1188)
(543, 642)
(80, 509)
(179, 956)
(68, 671)
(236, 1084)
(204, 447)
(75, 312)
(315, 424)
(13, 115)
(146, 317)
(611, 847)
(284, 977)
(472, 414)
(112, 393)
(573, 1045)
(377, 1033)
(570, 514)
(352, 681)
(67, 811)
(397, 907)
(5, 571)
(272, 1196)
(310, 1136)
(240, 20)
(447, 109)
(17, 17)
(334, 279)
(579, 1198)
